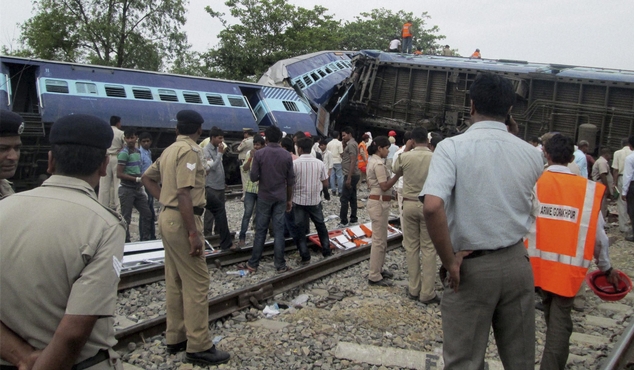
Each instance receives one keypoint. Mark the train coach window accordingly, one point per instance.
(86, 88)
(315, 76)
(192, 97)
(300, 83)
(167, 95)
(141, 93)
(215, 100)
(290, 106)
(236, 102)
(57, 86)
(340, 65)
(115, 91)
(321, 73)
(328, 70)
(308, 80)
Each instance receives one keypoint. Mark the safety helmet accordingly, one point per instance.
(391, 133)
(598, 282)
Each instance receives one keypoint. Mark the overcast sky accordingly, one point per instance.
(596, 33)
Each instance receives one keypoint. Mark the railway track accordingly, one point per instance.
(228, 303)
(622, 355)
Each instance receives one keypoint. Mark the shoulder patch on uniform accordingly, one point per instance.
(191, 166)
(195, 148)
(116, 265)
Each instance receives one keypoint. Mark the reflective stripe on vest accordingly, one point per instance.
(406, 32)
(555, 268)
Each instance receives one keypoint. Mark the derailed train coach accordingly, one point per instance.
(322, 78)
(401, 91)
(42, 91)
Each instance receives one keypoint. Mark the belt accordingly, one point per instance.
(385, 198)
(101, 356)
(410, 199)
(198, 211)
(484, 252)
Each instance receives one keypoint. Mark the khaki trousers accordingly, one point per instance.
(621, 206)
(109, 186)
(186, 283)
(417, 243)
(379, 212)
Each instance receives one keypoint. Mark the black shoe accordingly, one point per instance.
(410, 296)
(304, 262)
(381, 282)
(435, 300)
(175, 348)
(387, 274)
(212, 356)
(326, 255)
(354, 220)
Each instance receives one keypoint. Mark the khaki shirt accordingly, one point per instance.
(244, 147)
(618, 163)
(179, 167)
(413, 166)
(118, 141)
(5, 188)
(63, 258)
(377, 173)
(600, 167)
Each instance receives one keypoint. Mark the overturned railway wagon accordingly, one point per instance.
(399, 91)
(42, 91)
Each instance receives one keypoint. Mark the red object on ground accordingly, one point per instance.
(331, 234)
(598, 282)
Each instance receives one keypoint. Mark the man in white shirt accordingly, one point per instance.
(395, 44)
(336, 175)
(618, 165)
(310, 178)
(627, 191)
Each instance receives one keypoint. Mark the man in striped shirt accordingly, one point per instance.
(310, 178)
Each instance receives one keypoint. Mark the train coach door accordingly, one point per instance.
(23, 96)
(257, 103)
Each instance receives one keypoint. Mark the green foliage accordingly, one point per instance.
(375, 29)
(141, 34)
(268, 31)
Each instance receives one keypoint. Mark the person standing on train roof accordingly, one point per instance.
(131, 192)
(273, 167)
(352, 175)
(477, 226)
(109, 184)
(215, 188)
(245, 146)
(145, 142)
(11, 127)
(181, 175)
(413, 166)
(57, 304)
(406, 33)
(446, 51)
(476, 54)
(561, 247)
(380, 182)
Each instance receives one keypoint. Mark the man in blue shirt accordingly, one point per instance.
(580, 157)
(145, 142)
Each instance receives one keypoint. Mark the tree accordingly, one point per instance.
(141, 34)
(268, 31)
(375, 29)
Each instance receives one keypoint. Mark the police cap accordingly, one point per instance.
(11, 124)
(82, 129)
(189, 116)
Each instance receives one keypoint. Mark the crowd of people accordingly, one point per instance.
(499, 213)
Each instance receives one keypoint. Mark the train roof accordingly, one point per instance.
(503, 65)
(5, 58)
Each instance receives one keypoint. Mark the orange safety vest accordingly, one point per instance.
(561, 242)
(406, 32)
(476, 54)
(361, 162)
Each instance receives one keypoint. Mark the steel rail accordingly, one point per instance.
(228, 303)
(621, 352)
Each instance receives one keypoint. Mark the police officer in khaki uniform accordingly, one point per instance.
(380, 183)
(109, 184)
(11, 127)
(60, 274)
(413, 165)
(180, 172)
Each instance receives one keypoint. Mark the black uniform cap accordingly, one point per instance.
(11, 124)
(188, 116)
(82, 129)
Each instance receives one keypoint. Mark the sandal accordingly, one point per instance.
(234, 248)
(245, 266)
